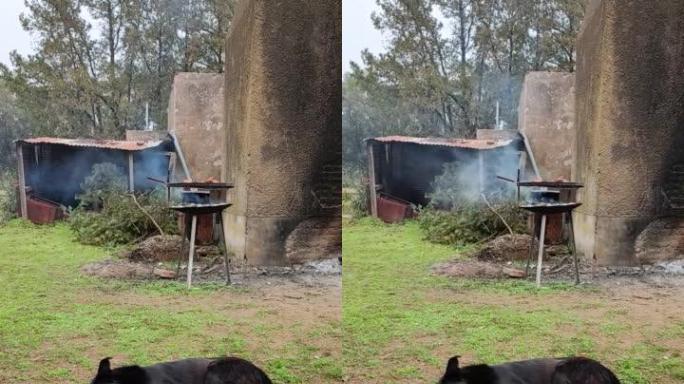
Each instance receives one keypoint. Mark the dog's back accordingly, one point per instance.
(233, 370)
(228, 370)
(187, 371)
(535, 371)
(584, 371)
(575, 370)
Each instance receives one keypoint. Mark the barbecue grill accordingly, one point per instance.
(543, 201)
(196, 200)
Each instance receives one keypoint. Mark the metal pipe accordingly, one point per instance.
(528, 150)
(542, 231)
(179, 151)
(131, 173)
(22, 180)
(193, 233)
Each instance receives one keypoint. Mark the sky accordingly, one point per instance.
(12, 35)
(358, 31)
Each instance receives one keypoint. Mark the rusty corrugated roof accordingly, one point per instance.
(121, 145)
(476, 144)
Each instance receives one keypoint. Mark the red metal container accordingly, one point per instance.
(40, 211)
(205, 227)
(393, 210)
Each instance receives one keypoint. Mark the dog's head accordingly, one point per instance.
(452, 375)
(124, 375)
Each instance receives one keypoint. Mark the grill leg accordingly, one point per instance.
(542, 231)
(530, 252)
(181, 253)
(222, 236)
(193, 232)
(573, 248)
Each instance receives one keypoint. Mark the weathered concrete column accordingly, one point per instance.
(630, 121)
(283, 130)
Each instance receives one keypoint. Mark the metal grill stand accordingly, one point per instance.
(201, 206)
(191, 212)
(544, 210)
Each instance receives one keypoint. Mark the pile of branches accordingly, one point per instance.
(108, 215)
(472, 222)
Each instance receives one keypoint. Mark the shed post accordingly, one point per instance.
(480, 158)
(22, 180)
(131, 173)
(371, 179)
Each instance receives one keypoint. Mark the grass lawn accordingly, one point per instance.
(401, 323)
(55, 324)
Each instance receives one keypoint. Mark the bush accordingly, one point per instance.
(105, 179)
(108, 215)
(355, 199)
(8, 196)
(471, 222)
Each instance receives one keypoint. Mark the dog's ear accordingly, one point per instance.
(104, 368)
(452, 366)
(453, 371)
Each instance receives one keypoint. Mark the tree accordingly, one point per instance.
(13, 125)
(450, 64)
(98, 63)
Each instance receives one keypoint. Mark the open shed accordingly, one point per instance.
(404, 168)
(51, 170)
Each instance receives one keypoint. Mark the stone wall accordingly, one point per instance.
(283, 130)
(195, 116)
(630, 123)
(546, 115)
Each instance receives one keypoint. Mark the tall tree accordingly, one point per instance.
(452, 64)
(98, 63)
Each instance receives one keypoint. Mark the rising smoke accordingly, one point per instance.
(466, 181)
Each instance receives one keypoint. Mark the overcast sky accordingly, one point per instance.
(12, 36)
(357, 30)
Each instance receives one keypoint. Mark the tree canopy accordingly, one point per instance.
(448, 63)
(97, 63)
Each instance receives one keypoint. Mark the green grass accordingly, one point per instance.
(401, 323)
(55, 324)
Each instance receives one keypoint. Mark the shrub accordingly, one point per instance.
(108, 215)
(355, 199)
(105, 179)
(471, 222)
(8, 196)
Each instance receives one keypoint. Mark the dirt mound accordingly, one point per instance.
(505, 248)
(168, 248)
(474, 268)
(157, 248)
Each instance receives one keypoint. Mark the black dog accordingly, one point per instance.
(583, 370)
(574, 370)
(228, 370)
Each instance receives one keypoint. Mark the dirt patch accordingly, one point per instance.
(207, 270)
(476, 269)
(120, 269)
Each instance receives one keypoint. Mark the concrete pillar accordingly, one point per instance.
(630, 121)
(283, 130)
